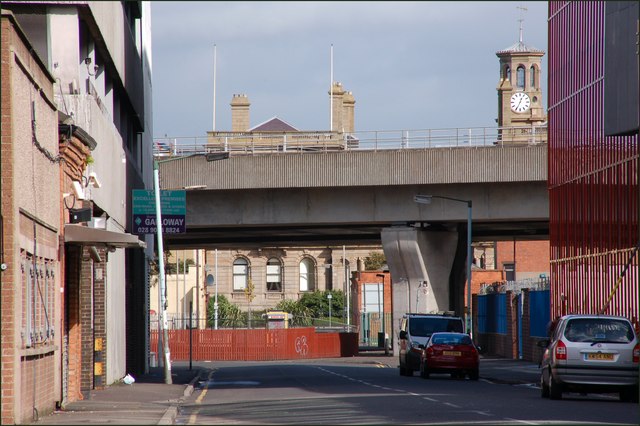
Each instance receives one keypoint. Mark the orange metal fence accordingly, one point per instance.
(257, 344)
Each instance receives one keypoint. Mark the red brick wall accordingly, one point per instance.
(7, 283)
(86, 322)
(356, 297)
(74, 328)
(38, 385)
(530, 256)
(100, 321)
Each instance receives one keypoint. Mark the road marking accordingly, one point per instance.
(520, 421)
(194, 416)
(206, 388)
(451, 405)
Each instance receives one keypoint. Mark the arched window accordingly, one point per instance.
(507, 73)
(274, 275)
(532, 77)
(307, 275)
(520, 77)
(240, 274)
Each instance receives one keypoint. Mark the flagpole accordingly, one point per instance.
(331, 93)
(214, 86)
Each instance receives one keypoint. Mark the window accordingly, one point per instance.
(507, 73)
(510, 271)
(532, 77)
(307, 275)
(520, 77)
(38, 300)
(240, 274)
(274, 275)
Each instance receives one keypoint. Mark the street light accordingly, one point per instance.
(329, 296)
(426, 199)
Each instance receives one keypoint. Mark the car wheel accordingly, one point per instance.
(403, 371)
(555, 390)
(409, 372)
(424, 372)
(629, 395)
(474, 374)
(544, 389)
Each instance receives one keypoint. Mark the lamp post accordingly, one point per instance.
(329, 296)
(426, 199)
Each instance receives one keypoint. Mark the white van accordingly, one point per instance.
(415, 331)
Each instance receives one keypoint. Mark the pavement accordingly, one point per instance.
(150, 401)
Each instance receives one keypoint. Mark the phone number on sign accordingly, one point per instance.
(153, 230)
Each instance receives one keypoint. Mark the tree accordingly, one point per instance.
(318, 302)
(374, 261)
(229, 314)
(301, 316)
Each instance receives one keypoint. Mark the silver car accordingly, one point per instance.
(591, 353)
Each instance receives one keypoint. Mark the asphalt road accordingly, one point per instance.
(336, 391)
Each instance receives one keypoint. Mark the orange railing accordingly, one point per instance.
(257, 344)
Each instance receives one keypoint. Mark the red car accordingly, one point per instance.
(452, 353)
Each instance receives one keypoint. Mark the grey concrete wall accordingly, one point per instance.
(361, 168)
(379, 205)
(415, 256)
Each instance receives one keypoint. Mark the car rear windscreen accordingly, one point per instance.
(425, 327)
(598, 330)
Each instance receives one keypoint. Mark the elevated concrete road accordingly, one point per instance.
(342, 197)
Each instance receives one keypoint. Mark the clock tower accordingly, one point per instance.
(519, 92)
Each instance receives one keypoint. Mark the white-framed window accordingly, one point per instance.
(307, 275)
(240, 274)
(274, 275)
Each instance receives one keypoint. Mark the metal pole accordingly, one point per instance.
(215, 49)
(346, 283)
(163, 307)
(184, 287)
(190, 334)
(215, 300)
(469, 260)
(198, 288)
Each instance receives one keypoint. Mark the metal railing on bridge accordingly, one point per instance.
(301, 142)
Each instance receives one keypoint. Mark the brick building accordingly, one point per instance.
(73, 145)
(30, 209)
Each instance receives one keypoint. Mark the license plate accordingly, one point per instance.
(600, 357)
(452, 353)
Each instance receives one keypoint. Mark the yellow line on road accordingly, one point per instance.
(193, 417)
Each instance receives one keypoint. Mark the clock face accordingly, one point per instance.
(520, 102)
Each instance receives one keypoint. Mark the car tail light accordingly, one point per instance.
(561, 350)
(429, 351)
(636, 353)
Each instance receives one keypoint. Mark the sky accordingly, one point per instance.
(410, 65)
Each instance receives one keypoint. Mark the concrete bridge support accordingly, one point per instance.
(416, 257)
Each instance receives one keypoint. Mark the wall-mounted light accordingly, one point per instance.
(93, 180)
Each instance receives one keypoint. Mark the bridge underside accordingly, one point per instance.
(247, 236)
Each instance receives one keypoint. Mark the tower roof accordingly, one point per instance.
(519, 47)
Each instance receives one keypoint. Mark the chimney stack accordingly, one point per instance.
(240, 113)
(337, 123)
(349, 104)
